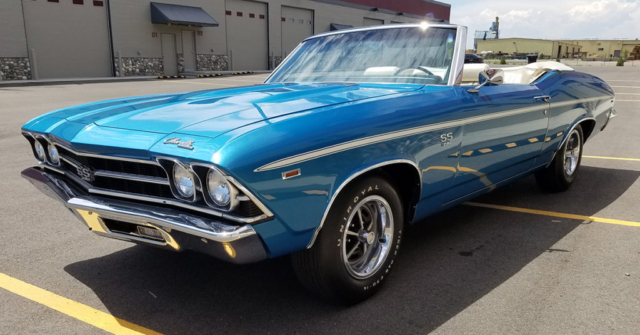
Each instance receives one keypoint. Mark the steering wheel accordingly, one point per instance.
(415, 68)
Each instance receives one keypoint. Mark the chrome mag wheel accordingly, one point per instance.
(572, 153)
(368, 236)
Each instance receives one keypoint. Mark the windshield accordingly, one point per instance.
(415, 55)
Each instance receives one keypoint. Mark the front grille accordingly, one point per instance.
(122, 175)
(114, 165)
(125, 168)
(132, 186)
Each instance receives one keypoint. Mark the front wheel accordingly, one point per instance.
(562, 171)
(355, 250)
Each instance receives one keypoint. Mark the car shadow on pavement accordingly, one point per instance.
(447, 263)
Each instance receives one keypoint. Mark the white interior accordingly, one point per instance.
(512, 75)
(515, 74)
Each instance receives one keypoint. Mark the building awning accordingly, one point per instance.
(337, 26)
(165, 13)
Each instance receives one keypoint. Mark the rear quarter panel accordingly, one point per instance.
(575, 96)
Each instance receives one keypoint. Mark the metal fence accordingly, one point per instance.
(568, 62)
(578, 62)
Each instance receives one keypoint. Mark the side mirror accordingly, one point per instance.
(489, 77)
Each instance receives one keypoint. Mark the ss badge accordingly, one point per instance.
(445, 139)
(85, 173)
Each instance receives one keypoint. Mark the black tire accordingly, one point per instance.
(322, 269)
(555, 177)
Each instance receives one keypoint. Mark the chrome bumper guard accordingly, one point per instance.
(178, 230)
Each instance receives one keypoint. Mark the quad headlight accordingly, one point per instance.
(183, 181)
(39, 150)
(218, 188)
(54, 157)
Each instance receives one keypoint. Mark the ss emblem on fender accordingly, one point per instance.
(445, 139)
(85, 173)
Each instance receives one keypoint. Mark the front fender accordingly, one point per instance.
(302, 203)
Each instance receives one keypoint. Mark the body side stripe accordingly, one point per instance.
(329, 150)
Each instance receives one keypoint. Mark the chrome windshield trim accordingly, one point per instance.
(352, 177)
(132, 177)
(457, 61)
(386, 26)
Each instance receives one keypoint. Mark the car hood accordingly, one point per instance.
(213, 112)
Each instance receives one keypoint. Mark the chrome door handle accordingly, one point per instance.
(544, 98)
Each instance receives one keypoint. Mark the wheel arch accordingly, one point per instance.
(588, 124)
(403, 173)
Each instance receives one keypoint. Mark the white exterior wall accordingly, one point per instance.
(324, 15)
(138, 42)
(13, 40)
(133, 31)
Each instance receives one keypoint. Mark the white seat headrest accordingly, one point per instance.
(470, 72)
(381, 71)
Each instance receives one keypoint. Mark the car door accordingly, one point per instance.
(504, 132)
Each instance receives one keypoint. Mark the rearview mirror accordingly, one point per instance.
(489, 77)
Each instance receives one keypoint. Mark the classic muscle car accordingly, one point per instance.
(356, 135)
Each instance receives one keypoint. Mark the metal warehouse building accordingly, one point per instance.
(552, 48)
(43, 39)
(594, 48)
(589, 48)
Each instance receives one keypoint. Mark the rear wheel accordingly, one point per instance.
(355, 250)
(562, 171)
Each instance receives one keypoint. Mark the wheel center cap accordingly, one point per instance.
(367, 237)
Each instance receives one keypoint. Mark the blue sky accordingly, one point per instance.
(551, 19)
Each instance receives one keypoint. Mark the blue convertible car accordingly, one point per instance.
(357, 134)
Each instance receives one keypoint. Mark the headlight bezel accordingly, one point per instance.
(168, 163)
(202, 171)
(213, 176)
(50, 157)
(43, 142)
(36, 144)
(184, 191)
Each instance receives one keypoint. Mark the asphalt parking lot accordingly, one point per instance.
(521, 262)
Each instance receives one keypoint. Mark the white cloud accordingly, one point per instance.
(551, 19)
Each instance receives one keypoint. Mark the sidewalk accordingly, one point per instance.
(72, 81)
(63, 81)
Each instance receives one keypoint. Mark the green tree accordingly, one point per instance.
(503, 60)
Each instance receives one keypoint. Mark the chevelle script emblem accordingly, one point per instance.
(176, 140)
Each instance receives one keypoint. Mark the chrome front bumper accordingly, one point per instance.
(179, 230)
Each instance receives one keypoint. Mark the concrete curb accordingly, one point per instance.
(80, 81)
(71, 81)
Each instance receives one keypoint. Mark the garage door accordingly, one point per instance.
(247, 37)
(372, 22)
(297, 25)
(70, 40)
